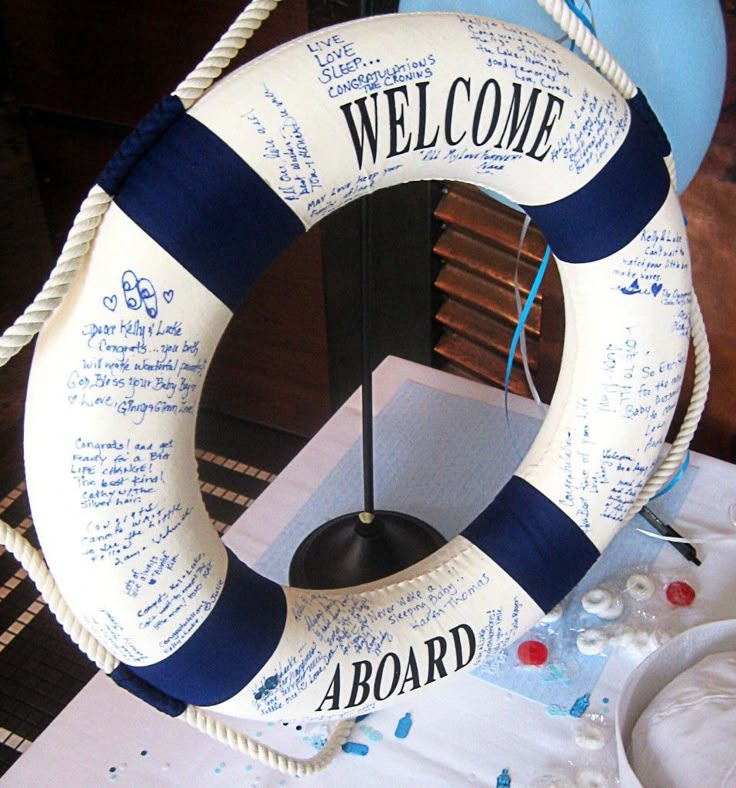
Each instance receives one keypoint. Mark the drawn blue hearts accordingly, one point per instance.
(168, 296)
(110, 302)
(656, 287)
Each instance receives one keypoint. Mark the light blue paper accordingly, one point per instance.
(438, 457)
(570, 674)
(441, 457)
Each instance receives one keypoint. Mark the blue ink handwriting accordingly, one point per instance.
(139, 292)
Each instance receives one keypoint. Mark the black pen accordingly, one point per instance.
(685, 548)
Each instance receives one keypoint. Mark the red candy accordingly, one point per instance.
(680, 594)
(532, 652)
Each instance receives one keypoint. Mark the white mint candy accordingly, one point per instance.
(552, 781)
(590, 737)
(614, 610)
(642, 643)
(621, 636)
(592, 778)
(640, 587)
(554, 615)
(591, 642)
(602, 603)
(660, 637)
(638, 641)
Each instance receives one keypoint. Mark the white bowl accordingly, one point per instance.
(655, 673)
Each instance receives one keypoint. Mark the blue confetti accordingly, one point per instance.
(354, 748)
(552, 673)
(318, 742)
(371, 733)
(580, 705)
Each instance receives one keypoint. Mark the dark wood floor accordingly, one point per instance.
(41, 670)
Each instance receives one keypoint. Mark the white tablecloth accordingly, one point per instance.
(464, 732)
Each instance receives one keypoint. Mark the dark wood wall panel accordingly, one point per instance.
(271, 366)
(477, 253)
(489, 220)
(484, 330)
(402, 300)
(709, 203)
(112, 60)
(25, 253)
(68, 154)
(82, 73)
(488, 297)
(484, 364)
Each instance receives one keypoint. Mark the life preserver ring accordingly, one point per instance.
(214, 194)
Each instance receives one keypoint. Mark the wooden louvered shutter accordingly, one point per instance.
(476, 252)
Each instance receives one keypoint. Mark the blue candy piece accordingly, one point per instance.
(580, 705)
(503, 780)
(354, 748)
(403, 726)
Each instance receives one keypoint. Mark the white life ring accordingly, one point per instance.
(268, 151)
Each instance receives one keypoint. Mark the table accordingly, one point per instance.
(465, 732)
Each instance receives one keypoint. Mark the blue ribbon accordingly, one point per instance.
(580, 15)
(517, 333)
(676, 478)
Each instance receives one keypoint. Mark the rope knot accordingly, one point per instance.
(124, 677)
(640, 105)
(135, 146)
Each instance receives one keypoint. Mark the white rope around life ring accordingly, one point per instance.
(78, 243)
(25, 328)
(93, 208)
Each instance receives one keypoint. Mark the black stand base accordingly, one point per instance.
(347, 552)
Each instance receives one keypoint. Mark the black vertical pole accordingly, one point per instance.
(367, 515)
(360, 547)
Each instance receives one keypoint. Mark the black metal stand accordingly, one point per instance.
(347, 551)
(363, 546)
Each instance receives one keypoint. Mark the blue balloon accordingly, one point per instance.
(673, 50)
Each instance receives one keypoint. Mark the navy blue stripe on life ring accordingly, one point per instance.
(230, 646)
(197, 198)
(534, 542)
(612, 209)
